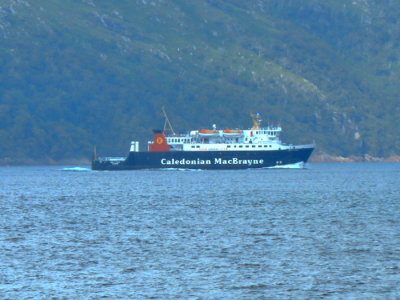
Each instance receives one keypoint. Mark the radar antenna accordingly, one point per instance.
(257, 119)
(167, 124)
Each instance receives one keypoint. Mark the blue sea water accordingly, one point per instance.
(328, 231)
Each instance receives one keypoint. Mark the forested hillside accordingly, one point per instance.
(80, 73)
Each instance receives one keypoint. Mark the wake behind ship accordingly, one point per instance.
(258, 147)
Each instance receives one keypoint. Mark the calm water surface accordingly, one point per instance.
(329, 231)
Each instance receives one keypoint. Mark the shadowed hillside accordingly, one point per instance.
(78, 73)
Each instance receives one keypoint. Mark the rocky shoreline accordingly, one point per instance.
(44, 162)
(318, 158)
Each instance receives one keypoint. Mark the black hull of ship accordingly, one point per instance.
(206, 160)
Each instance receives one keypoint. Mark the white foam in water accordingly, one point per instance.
(178, 169)
(298, 165)
(77, 169)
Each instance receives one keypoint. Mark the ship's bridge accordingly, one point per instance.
(262, 135)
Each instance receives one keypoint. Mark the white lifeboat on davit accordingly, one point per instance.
(208, 133)
(233, 133)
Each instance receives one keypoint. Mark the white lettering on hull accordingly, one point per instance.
(217, 161)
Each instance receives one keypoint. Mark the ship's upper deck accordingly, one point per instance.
(255, 139)
(260, 139)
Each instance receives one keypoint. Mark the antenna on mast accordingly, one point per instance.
(257, 119)
(94, 153)
(167, 124)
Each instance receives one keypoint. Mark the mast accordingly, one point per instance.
(257, 119)
(167, 124)
(94, 153)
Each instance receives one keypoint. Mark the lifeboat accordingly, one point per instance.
(233, 133)
(208, 133)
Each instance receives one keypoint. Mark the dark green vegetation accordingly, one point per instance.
(83, 72)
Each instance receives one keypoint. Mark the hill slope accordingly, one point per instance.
(80, 73)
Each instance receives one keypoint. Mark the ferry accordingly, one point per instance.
(210, 149)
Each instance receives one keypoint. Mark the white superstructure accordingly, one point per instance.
(255, 139)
